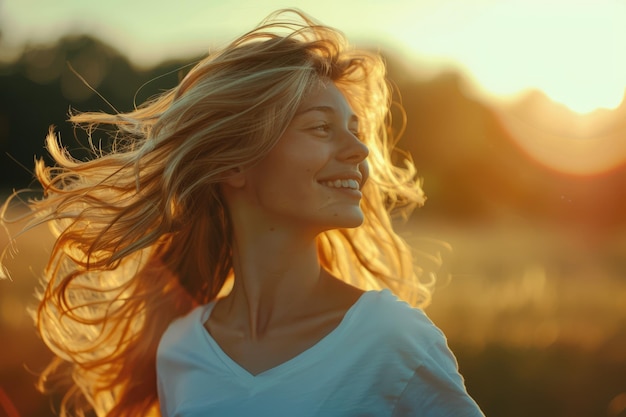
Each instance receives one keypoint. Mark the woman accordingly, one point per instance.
(228, 256)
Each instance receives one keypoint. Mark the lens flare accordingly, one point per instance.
(567, 142)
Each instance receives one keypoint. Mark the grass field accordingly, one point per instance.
(538, 322)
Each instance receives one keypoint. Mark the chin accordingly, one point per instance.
(348, 222)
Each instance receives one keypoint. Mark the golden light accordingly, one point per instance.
(553, 71)
(579, 145)
(571, 50)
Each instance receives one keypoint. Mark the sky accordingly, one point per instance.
(572, 50)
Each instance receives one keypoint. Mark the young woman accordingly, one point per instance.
(233, 254)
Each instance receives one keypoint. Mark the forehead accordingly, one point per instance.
(326, 96)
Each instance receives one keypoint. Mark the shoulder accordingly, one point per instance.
(391, 324)
(436, 384)
(393, 315)
(181, 331)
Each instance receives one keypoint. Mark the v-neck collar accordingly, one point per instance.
(302, 359)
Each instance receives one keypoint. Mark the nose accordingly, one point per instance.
(353, 150)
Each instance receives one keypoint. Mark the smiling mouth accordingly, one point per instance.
(349, 184)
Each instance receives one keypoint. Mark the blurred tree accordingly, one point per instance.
(39, 88)
(472, 169)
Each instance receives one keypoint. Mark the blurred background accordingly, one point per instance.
(516, 122)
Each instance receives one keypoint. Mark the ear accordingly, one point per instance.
(234, 177)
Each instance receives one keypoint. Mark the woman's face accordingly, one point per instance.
(313, 176)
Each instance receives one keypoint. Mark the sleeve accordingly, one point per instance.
(162, 390)
(436, 389)
(162, 399)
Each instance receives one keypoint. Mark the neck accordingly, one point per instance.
(275, 275)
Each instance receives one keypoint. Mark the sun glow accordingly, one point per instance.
(566, 55)
(571, 50)
(583, 145)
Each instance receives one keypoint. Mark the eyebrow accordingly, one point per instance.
(325, 109)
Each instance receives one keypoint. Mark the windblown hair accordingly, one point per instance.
(142, 233)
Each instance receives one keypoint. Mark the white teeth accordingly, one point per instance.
(352, 184)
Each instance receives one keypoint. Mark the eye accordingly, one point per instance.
(321, 129)
(324, 127)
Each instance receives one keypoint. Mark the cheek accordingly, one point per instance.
(290, 172)
(300, 165)
(283, 184)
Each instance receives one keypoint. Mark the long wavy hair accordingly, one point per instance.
(142, 233)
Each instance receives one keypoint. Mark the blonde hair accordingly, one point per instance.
(142, 234)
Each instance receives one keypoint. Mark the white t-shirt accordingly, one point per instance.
(384, 359)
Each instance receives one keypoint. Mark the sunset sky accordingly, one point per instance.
(571, 50)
